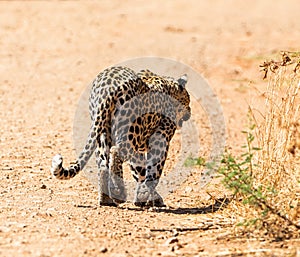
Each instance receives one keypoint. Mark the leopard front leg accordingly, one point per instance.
(148, 175)
(138, 171)
(146, 194)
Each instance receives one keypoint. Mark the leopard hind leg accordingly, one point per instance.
(116, 186)
(102, 155)
(103, 178)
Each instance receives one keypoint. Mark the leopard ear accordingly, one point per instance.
(182, 81)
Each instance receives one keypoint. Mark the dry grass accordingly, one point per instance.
(277, 164)
(278, 137)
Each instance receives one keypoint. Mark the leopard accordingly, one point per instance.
(134, 116)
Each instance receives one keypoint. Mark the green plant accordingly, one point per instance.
(192, 161)
(238, 176)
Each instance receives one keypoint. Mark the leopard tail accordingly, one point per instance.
(66, 173)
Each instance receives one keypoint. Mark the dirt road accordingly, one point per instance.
(50, 51)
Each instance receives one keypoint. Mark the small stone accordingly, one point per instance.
(175, 232)
(200, 249)
(171, 240)
(103, 249)
(188, 189)
(177, 247)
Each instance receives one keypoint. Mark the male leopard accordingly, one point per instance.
(134, 116)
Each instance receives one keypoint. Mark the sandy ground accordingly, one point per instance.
(50, 51)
